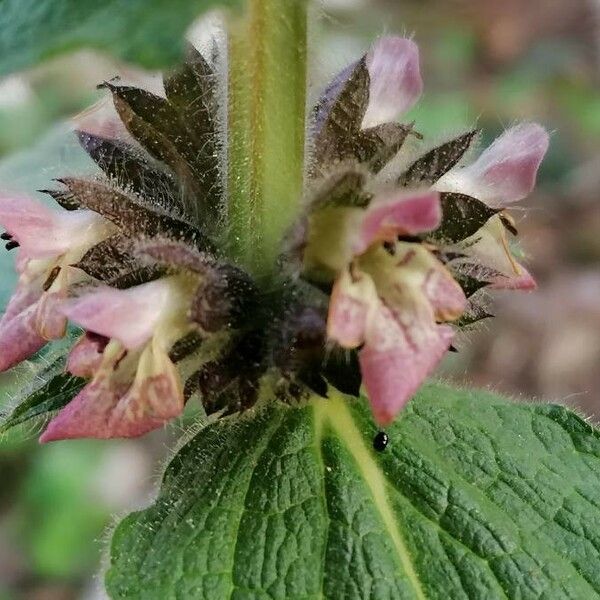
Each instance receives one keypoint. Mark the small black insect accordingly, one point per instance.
(380, 441)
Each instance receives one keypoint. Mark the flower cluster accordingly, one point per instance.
(386, 260)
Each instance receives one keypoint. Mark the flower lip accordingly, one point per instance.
(396, 83)
(129, 316)
(506, 171)
(392, 376)
(398, 214)
(18, 337)
(112, 405)
(41, 232)
(86, 356)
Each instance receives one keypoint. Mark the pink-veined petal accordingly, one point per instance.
(396, 359)
(411, 280)
(129, 316)
(523, 282)
(42, 232)
(490, 249)
(50, 322)
(401, 214)
(444, 294)
(109, 408)
(23, 297)
(19, 338)
(85, 357)
(506, 171)
(395, 79)
(349, 308)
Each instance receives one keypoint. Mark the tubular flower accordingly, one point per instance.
(391, 291)
(502, 175)
(381, 267)
(49, 243)
(134, 385)
(390, 297)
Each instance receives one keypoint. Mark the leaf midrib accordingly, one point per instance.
(334, 411)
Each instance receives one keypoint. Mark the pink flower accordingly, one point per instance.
(49, 243)
(503, 174)
(134, 387)
(489, 248)
(85, 357)
(395, 80)
(389, 296)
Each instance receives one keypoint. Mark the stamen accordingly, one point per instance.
(51, 278)
(12, 244)
(6, 236)
(390, 248)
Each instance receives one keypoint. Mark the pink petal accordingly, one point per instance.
(396, 82)
(396, 359)
(106, 408)
(50, 323)
(386, 218)
(23, 297)
(523, 282)
(19, 338)
(85, 357)
(129, 316)
(349, 308)
(28, 221)
(489, 248)
(506, 171)
(445, 294)
(43, 233)
(101, 119)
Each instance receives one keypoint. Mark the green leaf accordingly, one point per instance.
(47, 386)
(148, 32)
(474, 497)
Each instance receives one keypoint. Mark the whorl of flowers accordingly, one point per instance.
(382, 266)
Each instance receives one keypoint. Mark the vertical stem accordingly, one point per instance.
(266, 121)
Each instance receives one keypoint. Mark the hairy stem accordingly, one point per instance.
(266, 122)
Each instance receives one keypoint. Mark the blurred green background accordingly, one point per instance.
(484, 62)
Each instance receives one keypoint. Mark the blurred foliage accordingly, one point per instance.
(483, 61)
(53, 514)
(148, 32)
